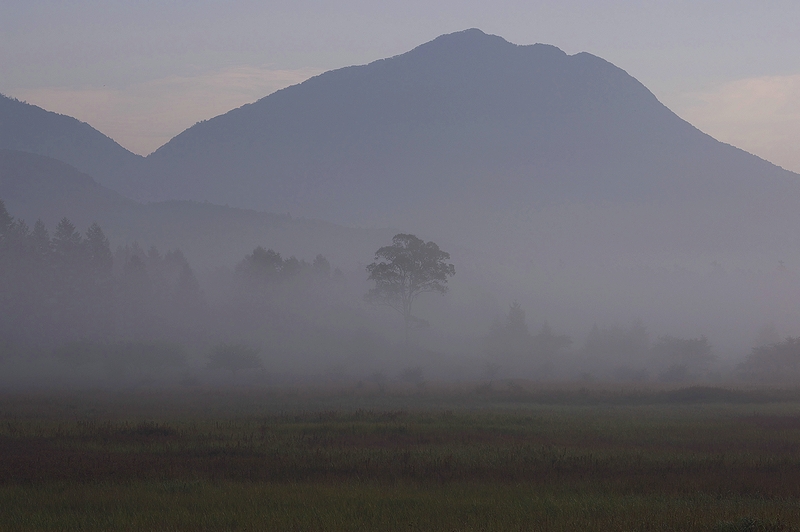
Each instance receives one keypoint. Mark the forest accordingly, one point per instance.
(140, 314)
(77, 313)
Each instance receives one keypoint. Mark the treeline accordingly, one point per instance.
(70, 294)
(773, 362)
(608, 353)
(72, 287)
(133, 313)
(627, 354)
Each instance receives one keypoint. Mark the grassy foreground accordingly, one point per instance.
(684, 460)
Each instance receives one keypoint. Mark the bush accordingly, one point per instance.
(234, 357)
(692, 354)
(774, 362)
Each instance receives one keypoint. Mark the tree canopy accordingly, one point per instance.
(406, 269)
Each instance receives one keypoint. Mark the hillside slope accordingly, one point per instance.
(468, 126)
(28, 128)
(37, 187)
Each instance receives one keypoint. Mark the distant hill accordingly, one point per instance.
(465, 127)
(34, 186)
(28, 128)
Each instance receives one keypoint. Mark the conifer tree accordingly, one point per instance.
(40, 241)
(99, 251)
(6, 220)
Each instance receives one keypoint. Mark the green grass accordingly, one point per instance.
(562, 460)
(196, 505)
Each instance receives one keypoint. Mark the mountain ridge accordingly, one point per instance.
(464, 110)
(461, 101)
(30, 128)
(35, 187)
(466, 126)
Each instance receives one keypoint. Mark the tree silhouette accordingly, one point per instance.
(6, 220)
(511, 345)
(234, 357)
(322, 267)
(40, 240)
(408, 268)
(687, 356)
(99, 251)
(66, 240)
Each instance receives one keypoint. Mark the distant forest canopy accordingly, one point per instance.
(72, 287)
(139, 315)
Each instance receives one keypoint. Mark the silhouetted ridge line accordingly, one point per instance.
(29, 128)
(467, 115)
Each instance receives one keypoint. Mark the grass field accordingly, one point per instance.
(435, 459)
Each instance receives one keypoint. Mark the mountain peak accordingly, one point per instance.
(455, 113)
(471, 35)
(465, 118)
(474, 42)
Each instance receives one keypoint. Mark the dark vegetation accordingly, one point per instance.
(597, 459)
(774, 362)
(74, 313)
(133, 316)
(509, 344)
(72, 288)
(234, 357)
(613, 353)
(407, 269)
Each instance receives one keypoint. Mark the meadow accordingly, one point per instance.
(434, 458)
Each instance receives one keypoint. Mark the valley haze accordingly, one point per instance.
(595, 234)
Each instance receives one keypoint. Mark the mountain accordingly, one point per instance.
(34, 186)
(28, 128)
(465, 127)
(557, 180)
(467, 137)
(37, 187)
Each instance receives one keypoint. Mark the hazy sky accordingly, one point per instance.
(143, 71)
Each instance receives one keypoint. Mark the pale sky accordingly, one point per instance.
(143, 71)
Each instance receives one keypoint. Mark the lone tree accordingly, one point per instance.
(406, 269)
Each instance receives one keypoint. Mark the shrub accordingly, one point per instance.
(234, 357)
